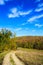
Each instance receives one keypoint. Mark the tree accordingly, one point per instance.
(6, 41)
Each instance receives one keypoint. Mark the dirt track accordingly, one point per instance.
(6, 60)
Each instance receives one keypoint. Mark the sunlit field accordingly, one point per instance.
(29, 49)
(30, 56)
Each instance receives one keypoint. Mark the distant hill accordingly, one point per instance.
(34, 42)
(28, 38)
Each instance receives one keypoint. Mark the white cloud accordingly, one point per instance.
(39, 16)
(35, 18)
(24, 13)
(2, 2)
(39, 9)
(40, 5)
(18, 29)
(16, 13)
(33, 30)
(0, 29)
(24, 23)
(37, 0)
(32, 19)
(6, 28)
(38, 25)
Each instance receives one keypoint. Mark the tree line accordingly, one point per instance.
(32, 42)
(9, 41)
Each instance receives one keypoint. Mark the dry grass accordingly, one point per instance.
(12, 61)
(31, 56)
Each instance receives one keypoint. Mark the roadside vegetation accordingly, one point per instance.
(9, 41)
(6, 44)
(2, 56)
(30, 56)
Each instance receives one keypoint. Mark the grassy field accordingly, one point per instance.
(2, 56)
(30, 56)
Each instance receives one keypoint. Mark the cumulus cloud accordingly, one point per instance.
(16, 13)
(2, 2)
(35, 18)
(38, 25)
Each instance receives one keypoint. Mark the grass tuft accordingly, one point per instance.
(12, 61)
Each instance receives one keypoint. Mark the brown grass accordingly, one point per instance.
(30, 56)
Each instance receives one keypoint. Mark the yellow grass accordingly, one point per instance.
(31, 56)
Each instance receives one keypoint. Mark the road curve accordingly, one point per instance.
(6, 60)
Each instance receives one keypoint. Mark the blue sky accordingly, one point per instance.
(24, 17)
